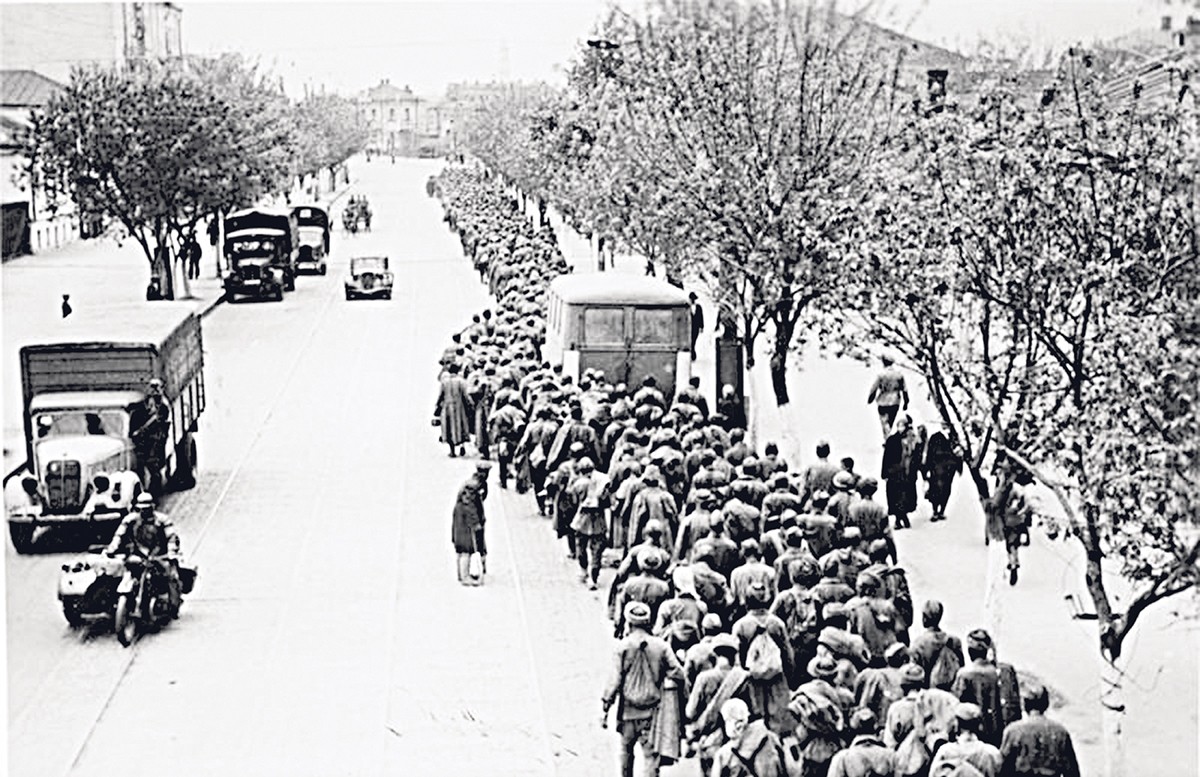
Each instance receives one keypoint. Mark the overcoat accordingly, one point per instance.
(468, 517)
(455, 410)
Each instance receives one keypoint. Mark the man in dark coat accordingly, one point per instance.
(901, 462)
(696, 315)
(466, 530)
(1037, 745)
(150, 421)
(942, 462)
(574, 431)
(454, 410)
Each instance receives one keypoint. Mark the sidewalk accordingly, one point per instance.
(98, 274)
(949, 561)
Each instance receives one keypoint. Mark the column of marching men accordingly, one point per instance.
(764, 624)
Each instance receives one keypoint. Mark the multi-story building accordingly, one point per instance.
(400, 122)
(39, 45)
(51, 38)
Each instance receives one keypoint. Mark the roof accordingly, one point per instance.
(126, 323)
(255, 232)
(69, 400)
(26, 88)
(616, 288)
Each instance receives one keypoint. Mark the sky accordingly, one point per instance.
(347, 47)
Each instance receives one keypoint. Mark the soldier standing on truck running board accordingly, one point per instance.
(150, 422)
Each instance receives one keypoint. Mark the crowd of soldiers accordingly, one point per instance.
(764, 624)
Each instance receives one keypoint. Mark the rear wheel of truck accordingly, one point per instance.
(185, 464)
(22, 536)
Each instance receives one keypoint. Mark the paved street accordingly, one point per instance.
(327, 635)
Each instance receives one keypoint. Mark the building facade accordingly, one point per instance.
(39, 45)
(400, 122)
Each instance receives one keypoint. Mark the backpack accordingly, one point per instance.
(763, 659)
(945, 667)
(803, 620)
(912, 756)
(641, 688)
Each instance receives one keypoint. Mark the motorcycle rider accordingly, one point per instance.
(151, 534)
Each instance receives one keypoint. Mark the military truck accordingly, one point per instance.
(261, 248)
(83, 391)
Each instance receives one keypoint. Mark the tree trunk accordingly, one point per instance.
(785, 328)
(751, 337)
(1112, 716)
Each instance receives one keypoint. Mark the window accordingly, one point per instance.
(603, 325)
(408, 114)
(655, 326)
(374, 113)
(391, 114)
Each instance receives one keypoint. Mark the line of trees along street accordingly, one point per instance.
(1031, 252)
(158, 147)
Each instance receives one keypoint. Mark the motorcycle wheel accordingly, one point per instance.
(73, 612)
(125, 624)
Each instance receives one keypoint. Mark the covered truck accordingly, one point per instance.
(261, 248)
(83, 392)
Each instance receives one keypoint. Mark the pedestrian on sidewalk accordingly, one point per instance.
(942, 463)
(453, 411)
(901, 462)
(66, 305)
(696, 314)
(191, 257)
(889, 394)
(467, 525)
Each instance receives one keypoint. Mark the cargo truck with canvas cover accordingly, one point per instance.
(261, 248)
(84, 396)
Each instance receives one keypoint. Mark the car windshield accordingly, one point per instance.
(366, 265)
(114, 423)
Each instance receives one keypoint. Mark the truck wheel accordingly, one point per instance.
(322, 269)
(124, 624)
(73, 611)
(22, 536)
(289, 283)
(185, 464)
(278, 295)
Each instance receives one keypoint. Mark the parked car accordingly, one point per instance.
(369, 277)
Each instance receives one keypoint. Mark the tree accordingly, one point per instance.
(1036, 261)
(755, 123)
(328, 133)
(158, 146)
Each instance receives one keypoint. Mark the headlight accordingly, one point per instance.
(101, 482)
(29, 484)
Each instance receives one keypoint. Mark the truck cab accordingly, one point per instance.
(261, 248)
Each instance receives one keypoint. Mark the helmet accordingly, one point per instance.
(143, 501)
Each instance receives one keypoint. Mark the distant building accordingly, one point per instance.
(400, 122)
(51, 38)
(463, 99)
(1155, 64)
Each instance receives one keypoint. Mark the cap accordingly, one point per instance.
(823, 667)
(834, 610)
(912, 674)
(852, 533)
(637, 613)
(867, 580)
(143, 500)
(576, 447)
(725, 643)
(820, 497)
(876, 547)
(893, 649)
(966, 711)
(843, 480)
(868, 485)
(710, 621)
(979, 639)
(750, 545)
(483, 466)
(684, 581)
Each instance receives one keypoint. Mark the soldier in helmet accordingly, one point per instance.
(148, 533)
